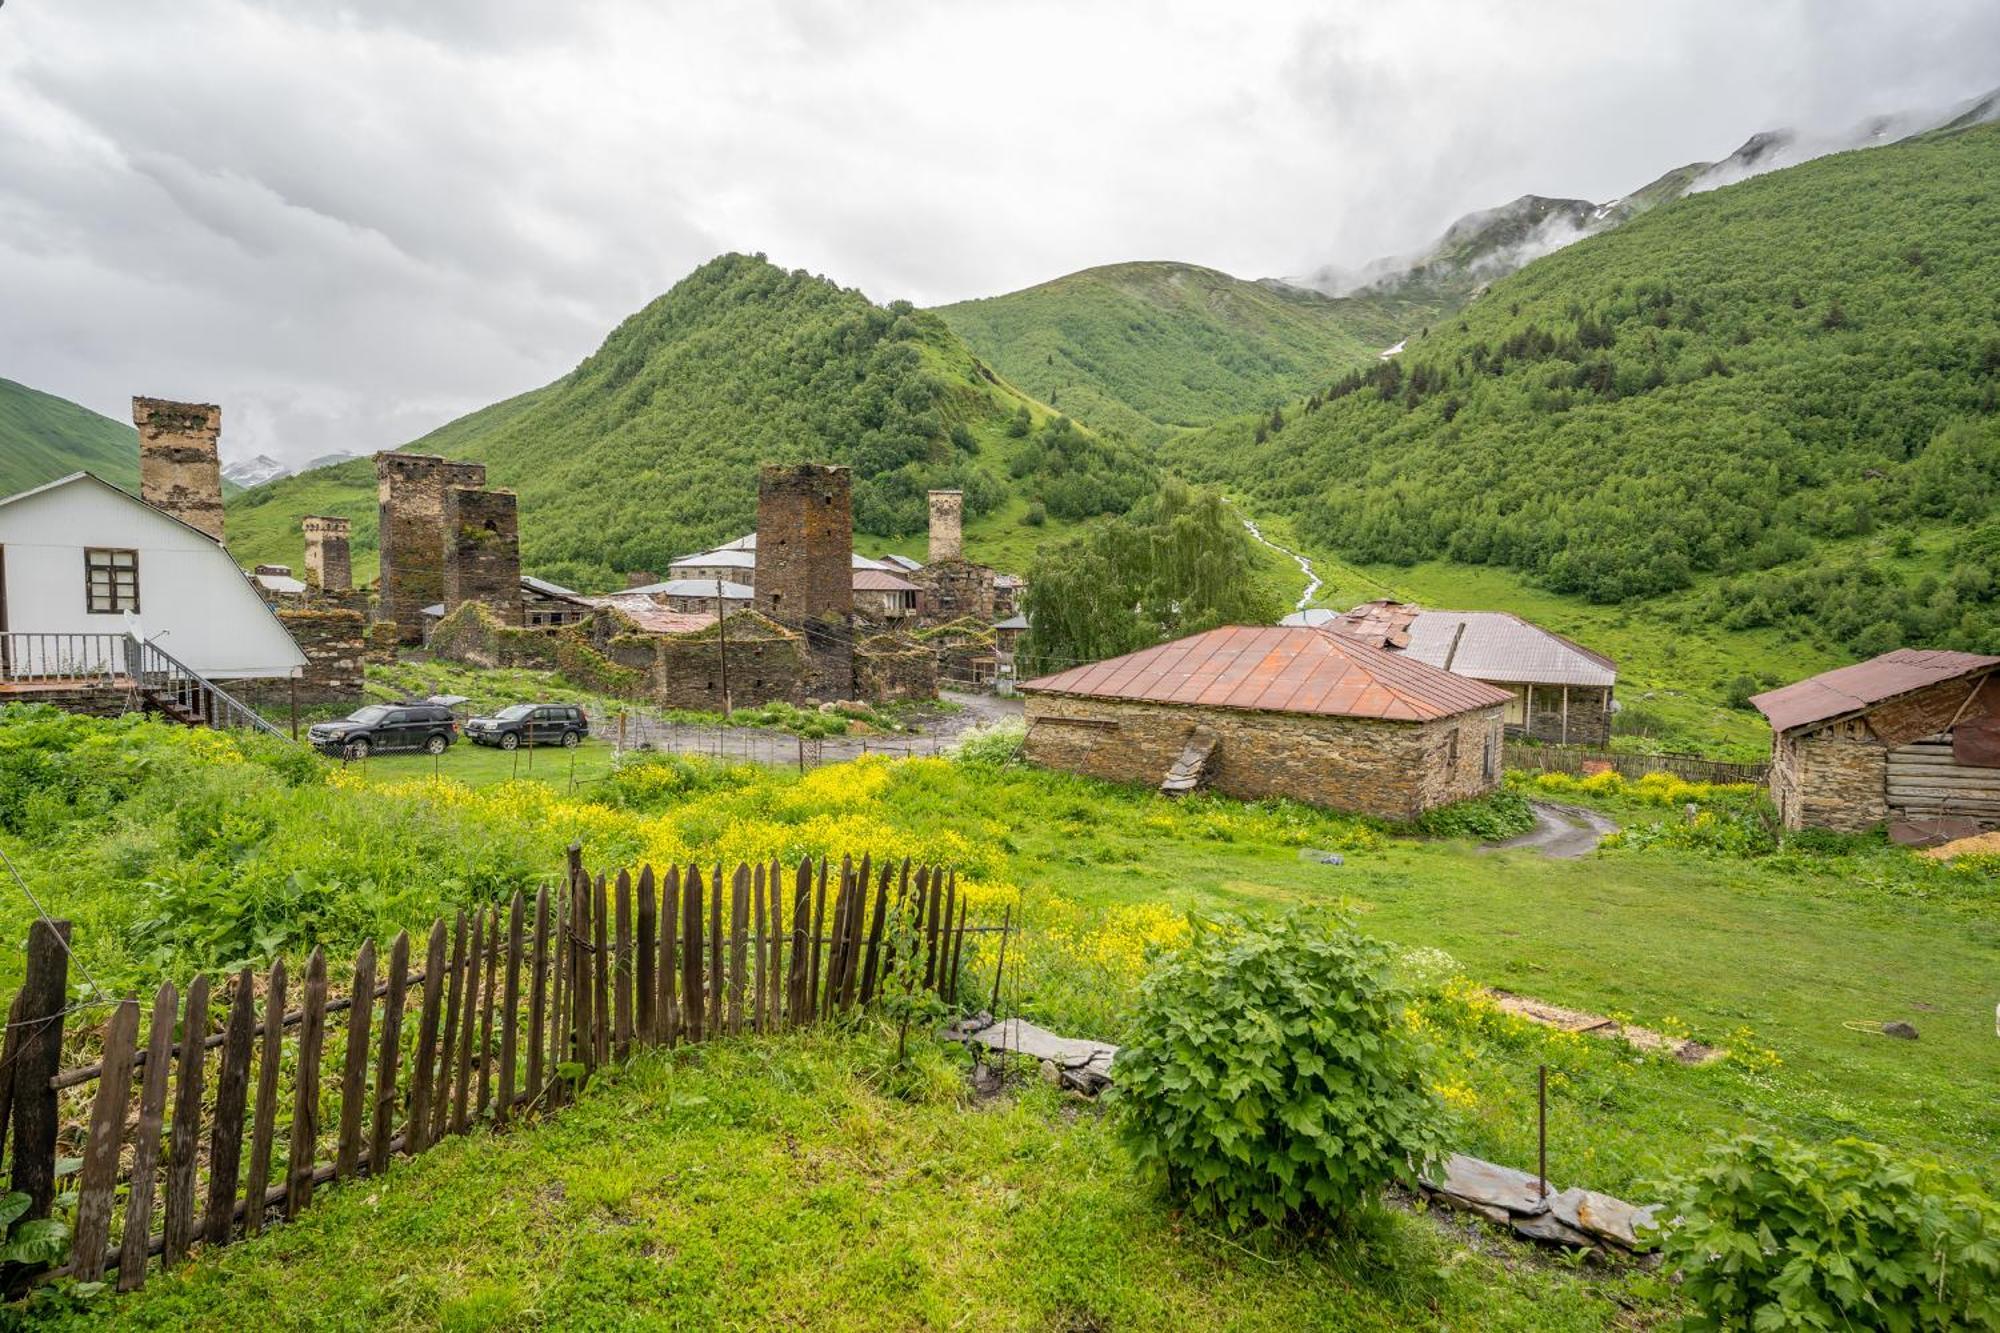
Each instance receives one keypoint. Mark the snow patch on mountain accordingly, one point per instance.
(256, 471)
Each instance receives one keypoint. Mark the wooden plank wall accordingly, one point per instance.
(208, 1126)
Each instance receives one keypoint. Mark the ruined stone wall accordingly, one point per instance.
(888, 668)
(805, 581)
(482, 556)
(1836, 778)
(329, 560)
(1393, 770)
(1589, 715)
(762, 668)
(947, 525)
(410, 489)
(954, 589)
(179, 469)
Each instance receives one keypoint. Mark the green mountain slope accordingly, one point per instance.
(43, 437)
(1148, 348)
(1735, 385)
(649, 449)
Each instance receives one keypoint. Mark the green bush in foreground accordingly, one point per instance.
(1774, 1235)
(1276, 1076)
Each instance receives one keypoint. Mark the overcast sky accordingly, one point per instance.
(348, 221)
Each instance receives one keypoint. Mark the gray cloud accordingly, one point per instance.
(348, 220)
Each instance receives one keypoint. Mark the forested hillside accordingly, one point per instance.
(43, 437)
(1148, 348)
(649, 449)
(1740, 383)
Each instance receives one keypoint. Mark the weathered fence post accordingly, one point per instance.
(44, 998)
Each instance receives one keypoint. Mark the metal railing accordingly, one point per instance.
(31, 657)
(171, 683)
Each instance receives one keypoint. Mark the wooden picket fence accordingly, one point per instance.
(517, 1006)
(1582, 762)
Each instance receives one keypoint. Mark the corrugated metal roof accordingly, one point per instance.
(1854, 689)
(1280, 669)
(880, 580)
(731, 592)
(721, 558)
(1499, 646)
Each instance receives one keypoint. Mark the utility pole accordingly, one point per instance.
(722, 647)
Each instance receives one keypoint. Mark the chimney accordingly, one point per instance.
(947, 525)
(328, 565)
(179, 470)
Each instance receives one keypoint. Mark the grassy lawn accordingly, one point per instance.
(484, 765)
(746, 1186)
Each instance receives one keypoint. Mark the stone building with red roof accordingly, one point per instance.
(1263, 711)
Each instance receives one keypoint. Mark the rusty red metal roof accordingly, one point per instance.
(880, 580)
(1278, 669)
(1857, 688)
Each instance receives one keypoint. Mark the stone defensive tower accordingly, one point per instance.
(482, 551)
(805, 575)
(947, 525)
(329, 564)
(179, 470)
(410, 488)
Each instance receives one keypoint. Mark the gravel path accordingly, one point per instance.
(1561, 831)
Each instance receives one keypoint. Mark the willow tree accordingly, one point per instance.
(1178, 564)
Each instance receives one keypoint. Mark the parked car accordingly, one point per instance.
(530, 724)
(383, 728)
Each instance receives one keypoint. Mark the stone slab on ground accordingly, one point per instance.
(1082, 1063)
(1603, 1217)
(1472, 1181)
(1597, 1025)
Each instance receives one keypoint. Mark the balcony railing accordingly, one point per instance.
(141, 670)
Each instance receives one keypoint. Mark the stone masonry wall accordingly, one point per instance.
(335, 645)
(955, 589)
(482, 551)
(1393, 770)
(179, 469)
(947, 525)
(805, 581)
(329, 560)
(1589, 715)
(1837, 778)
(688, 672)
(889, 669)
(410, 488)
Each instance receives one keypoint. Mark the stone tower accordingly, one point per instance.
(805, 573)
(410, 489)
(179, 470)
(329, 567)
(482, 551)
(947, 525)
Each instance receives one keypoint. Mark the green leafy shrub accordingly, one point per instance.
(1490, 818)
(1276, 1076)
(1773, 1234)
(993, 746)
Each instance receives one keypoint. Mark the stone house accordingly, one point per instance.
(1910, 739)
(697, 595)
(883, 597)
(546, 605)
(1562, 693)
(1262, 711)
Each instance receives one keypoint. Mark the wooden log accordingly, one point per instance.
(423, 1066)
(354, 1065)
(461, 1081)
(454, 997)
(716, 975)
(133, 1250)
(692, 1003)
(759, 950)
(37, 1113)
(486, 1005)
(739, 926)
(270, 1060)
(871, 962)
(815, 1003)
(600, 966)
(304, 1139)
(646, 1013)
(795, 998)
(98, 1183)
(232, 1090)
(10, 1046)
(670, 913)
(621, 968)
(186, 1134)
(538, 991)
(383, 1127)
(510, 1012)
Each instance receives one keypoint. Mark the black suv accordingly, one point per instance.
(380, 728)
(534, 725)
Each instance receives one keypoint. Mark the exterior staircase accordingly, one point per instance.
(106, 675)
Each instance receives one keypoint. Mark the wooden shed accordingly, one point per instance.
(1910, 739)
